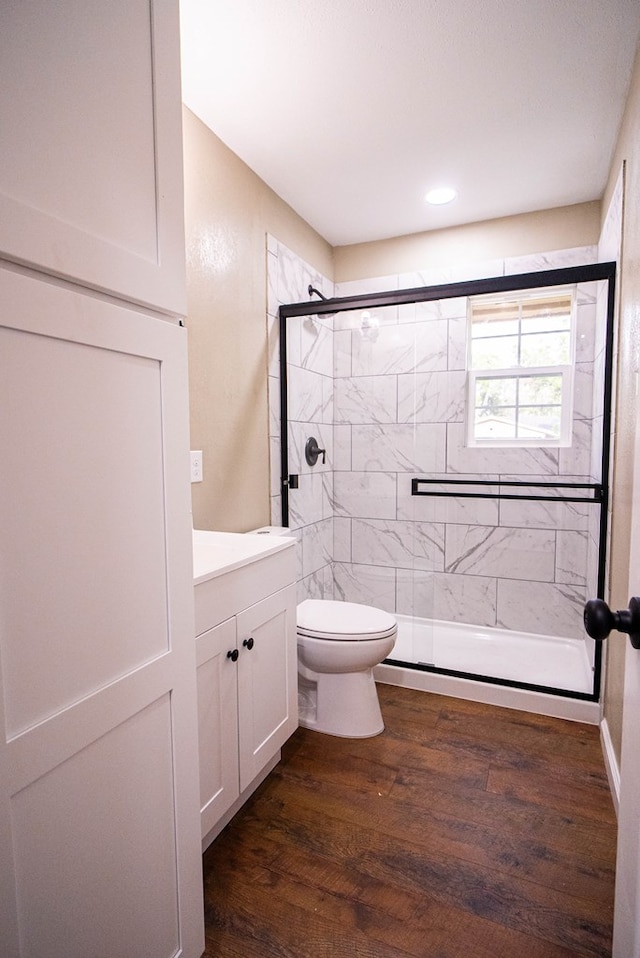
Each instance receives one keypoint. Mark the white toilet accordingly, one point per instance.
(339, 643)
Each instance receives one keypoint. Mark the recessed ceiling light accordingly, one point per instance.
(441, 195)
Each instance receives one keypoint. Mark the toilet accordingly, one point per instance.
(339, 643)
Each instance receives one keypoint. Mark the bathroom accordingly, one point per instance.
(234, 343)
(100, 769)
(235, 362)
(234, 349)
(265, 255)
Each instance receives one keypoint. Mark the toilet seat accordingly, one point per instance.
(343, 621)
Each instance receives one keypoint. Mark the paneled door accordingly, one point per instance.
(99, 798)
(91, 159)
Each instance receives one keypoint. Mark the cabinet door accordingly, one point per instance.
(267, 680)
(217, 723)
(91, 159)
(99, 811)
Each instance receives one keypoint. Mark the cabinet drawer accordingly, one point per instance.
(227, 594)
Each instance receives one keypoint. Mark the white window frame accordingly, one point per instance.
(566, 372)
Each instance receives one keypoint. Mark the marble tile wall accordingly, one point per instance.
(310, 413)
(399, 410)
(384, 392)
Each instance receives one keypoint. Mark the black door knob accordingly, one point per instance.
(233, 655)
(599, 620)
(248, 643)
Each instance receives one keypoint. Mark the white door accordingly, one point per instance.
(626, 935)
(99, 810)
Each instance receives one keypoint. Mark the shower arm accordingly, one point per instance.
(311, 290)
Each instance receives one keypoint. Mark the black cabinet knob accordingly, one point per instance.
(233, 655)
(248, 643)
(599, 620)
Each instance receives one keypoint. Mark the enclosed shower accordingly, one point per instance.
(461, 435)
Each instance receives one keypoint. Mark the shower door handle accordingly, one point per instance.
(599, 620)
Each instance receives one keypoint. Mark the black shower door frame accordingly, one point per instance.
(497, 284)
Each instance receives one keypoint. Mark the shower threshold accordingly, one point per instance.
(485, 661)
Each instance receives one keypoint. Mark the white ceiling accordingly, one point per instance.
(352, 109)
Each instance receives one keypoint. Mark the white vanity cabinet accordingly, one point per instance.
(245, 602)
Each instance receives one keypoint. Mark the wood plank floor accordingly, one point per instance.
(463, 831)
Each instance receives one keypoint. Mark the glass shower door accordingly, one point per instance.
(484, 549)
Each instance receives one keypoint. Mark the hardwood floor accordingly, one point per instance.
(463, 831)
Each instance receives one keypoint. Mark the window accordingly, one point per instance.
(520, 369)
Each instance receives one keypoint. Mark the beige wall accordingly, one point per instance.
(228, 212)
(627, 152)
(562, 228)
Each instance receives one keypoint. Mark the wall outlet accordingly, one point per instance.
(196, 465)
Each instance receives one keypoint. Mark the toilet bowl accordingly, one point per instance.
(339, 643)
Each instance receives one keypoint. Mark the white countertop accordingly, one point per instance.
(215, 553)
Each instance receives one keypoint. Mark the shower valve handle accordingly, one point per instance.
(312, 450)
(599, 620)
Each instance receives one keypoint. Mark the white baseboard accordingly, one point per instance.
(611, 764)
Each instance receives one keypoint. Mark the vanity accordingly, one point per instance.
(245, 615)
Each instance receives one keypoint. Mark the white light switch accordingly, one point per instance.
(196, 465)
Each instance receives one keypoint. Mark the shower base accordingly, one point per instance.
(556, 663)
